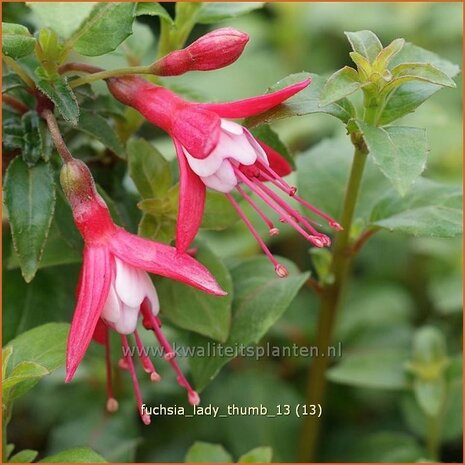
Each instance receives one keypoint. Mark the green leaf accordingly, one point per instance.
(260, 298)
(23, 377)
(257, 455)
(6, 354)
(107, 26)
(385, 56)
(59, 92)
(24, 456)
(430, 395)
(267, 135)
(431, 209)
(30, 200)
(12, 135)
(62, 17)
(153, 9)
(11, 81)
(399, 152)
(342, 83)
(148, 169)
(17, 41)
(76, 455)
(214, 12)
(204, 452)
(197, 311)
(96, 126)
(366, 43)
(306, 102)
(218, 213)
(32, 140)
(382, 369)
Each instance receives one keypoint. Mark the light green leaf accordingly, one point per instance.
(366, 43)
(260, 298)
(342, 83)
(399, 152)
(431, 209)
(204, 452)
(63, 17)
(76, 455)
(306, 102)
(218, 11)
(383, 369)
(430, 395)
(153, 9)
(6, 354)
(24, 456)
(257, 455)
(148, 169)
(107, 26)
(59, 92)
(30, 200)
(96, 126)
(385, 56)
(17, 41)
(23, 377)
(197, 311)
(218, 213)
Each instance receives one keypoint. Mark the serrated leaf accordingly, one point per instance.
(342, 83)
(148, 169)
(107, 26)
(366, 43)
(216, 11)
(257, 455)
(24, 456)
(17, 41)
(59, 92)
(375, 369)
(30, 200)
(75, 455)
(203, 452)
(399, 152)
(12, 134)
(197, 311)
(431, 209)
(306, 102)
(267, 135)
(153, 9)
(93, 124)
(260, 298)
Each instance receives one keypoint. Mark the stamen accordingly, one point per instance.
(112, 403)
(192, 395)
(135, 383)
(276, 176)
(123, 364)
(277, 266)
(273, 230)
(145, 359)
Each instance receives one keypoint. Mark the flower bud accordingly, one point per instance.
(214, 50)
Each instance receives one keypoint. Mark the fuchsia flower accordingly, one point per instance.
(220, 154)
(114, 288)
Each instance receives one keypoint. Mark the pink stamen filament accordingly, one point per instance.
(280, 270)
(135, 383)
(182, 381)
(112, 403)
(254, 205)
(272, 173)
(145, 360)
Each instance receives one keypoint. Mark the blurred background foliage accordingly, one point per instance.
(400, 285)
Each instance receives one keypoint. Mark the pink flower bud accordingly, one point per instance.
(214, 50)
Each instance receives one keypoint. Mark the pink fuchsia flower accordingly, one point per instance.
(220, 154)
(114, 288)
(214, 50)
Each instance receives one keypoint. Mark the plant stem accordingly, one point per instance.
(110, 73)
(19, 71)
(433, 438)
(57, 138)
(80, 67)
(13, 102)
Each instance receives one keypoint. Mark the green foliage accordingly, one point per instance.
(17, 41)
(203, 452)
(77, 455)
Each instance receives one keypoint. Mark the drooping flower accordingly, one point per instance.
(220, 154)
(114, 288)
(213, 50)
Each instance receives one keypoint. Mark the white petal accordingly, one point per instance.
(208, 165)
(130, 285)
(112, 310)
(152, 295)
(224, 180)
(231, 127)
(128, 321)
(258, 148)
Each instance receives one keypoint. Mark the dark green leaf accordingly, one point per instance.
(197, 311)
(12, 135)
(59, 92)
(214, 12)
(306, 102)
(366, 43)
(11, 81)
(153, 9)
(17, 41)
(257, 455)
(203, 452)
(32, 139)
(30, 200)
(106, 27)
(96, 126)
(25, 456)
(77, 455)
(431, 209)
(342, 83)
(399, 152)
(267, 135)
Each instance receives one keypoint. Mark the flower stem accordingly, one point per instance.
(110, 73)
(57, 138)
(13, 102)
(19, 71)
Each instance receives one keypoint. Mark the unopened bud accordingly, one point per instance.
(214, 50)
